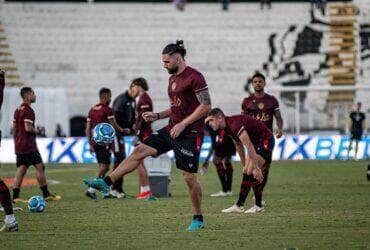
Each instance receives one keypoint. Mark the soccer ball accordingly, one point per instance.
(36, 204)
(103, 133)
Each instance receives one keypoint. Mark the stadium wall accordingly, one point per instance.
(82, 47)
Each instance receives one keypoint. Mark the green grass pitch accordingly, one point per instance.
(310, 205)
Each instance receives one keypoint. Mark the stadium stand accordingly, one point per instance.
(81, 47)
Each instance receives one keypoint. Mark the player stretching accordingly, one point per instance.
(10, 223)
(258, 140)
(143, 130)
(263, 107)
(24, 133)
(224, 148)
(100, 113)
(357, 119)
(190, 102)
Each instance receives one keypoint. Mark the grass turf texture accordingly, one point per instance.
(310, 205)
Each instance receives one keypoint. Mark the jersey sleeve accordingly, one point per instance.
(236, 128)
(88, 118)
(145, 105)
(109, 113)
(275, 104)
(29, 116)
(244, 105)
(199, 83)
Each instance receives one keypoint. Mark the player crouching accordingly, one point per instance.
(259, 141)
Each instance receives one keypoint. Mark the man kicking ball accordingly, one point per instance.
(190, 102)
(259, 141)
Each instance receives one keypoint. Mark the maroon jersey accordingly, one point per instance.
(257, 131)
(2, 85)
(143, 129)
(262, 108)
(98, 114)
(24, 141)
(182, 90)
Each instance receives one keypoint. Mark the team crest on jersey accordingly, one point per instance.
(173, 86)
(260, 105)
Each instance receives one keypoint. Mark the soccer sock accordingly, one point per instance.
(16, 192)
(247, 183)
(144, 189)
(221, 174)
(117, 185)
(5, 199)
(108, 180)
(45, 191)
(198, 217)
(91, 190)
(229, 176)
(257, 190)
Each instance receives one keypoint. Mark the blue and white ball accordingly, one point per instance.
(103, 133)
(36, 204)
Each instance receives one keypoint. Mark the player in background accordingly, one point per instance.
(223, 148)
(124, 106)
(143, 130)
(190, 102)
(100, 113)
(26, 150)
(355, 124)
(259, 141)
(263, 107)
(10, 223)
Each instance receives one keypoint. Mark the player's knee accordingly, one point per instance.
(217, 161)
(228, 161)
(139, 152)
(190, 179)
(40, 168)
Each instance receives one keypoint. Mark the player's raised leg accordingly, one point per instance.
(10, 223)
(127, 166)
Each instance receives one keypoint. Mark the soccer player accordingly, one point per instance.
(357, 119)
(259, 141)
(24, 133)
(10, 223)
(223, 148)
(143, 130)
(263, 107)
(101, 113)
(124, 112)
(190, 102)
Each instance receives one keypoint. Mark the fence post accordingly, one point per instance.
(297, 113)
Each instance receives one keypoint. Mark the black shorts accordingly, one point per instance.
(265, 149)
(225, 150)
(102, 154)
(356, 135)
(29, 159)
(187, 150)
